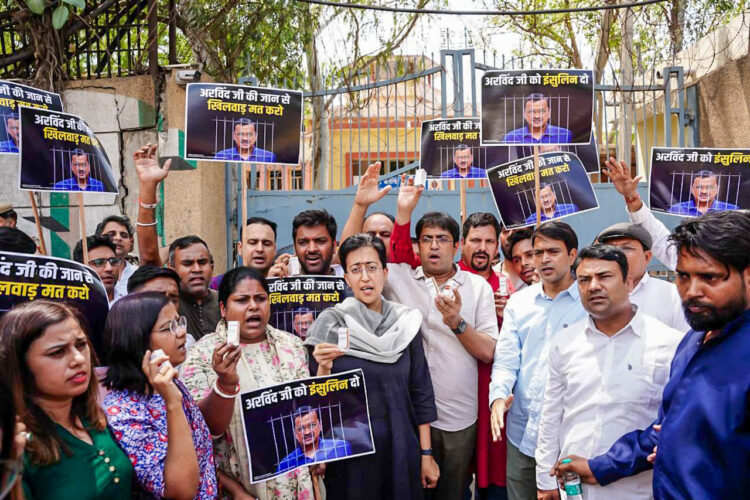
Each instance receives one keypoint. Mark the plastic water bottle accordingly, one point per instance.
(572, 484)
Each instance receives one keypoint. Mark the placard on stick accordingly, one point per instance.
(542, 106)
(13, 96)
(692, 181)
(450, 149)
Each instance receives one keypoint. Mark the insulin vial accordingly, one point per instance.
(502, 289)
(447, 292)
(420, 177)
(572, 483)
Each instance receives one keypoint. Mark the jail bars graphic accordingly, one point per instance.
(224, 129)
(295, 321)
(62, 168)
(703, 189)
(558, 114)
(446, 156)
(556, 201)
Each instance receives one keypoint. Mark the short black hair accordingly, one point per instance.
(245, 121)
(12, 116)
(183, 243)
(79, 152)
(517, 236)
(302, 411)
(13, 239)
(461, 147)
(723, 236)
(599, 251)
(10, 214)
(481, 219)
(312, 218)
(233, 277)
(260, 220)
(121, 220)
(535, 96)
(127, 336)
(384, 214)
(362, 240)
(92, 242)
(556, 230)
(144, 274)
(705, 173)
(441, 220)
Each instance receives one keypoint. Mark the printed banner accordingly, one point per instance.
(297, 300)
(537, 106)
(12, 96)
(59, 152)
(305, 422)
(450, 149)
(237, 123)
(587, 153)
(694, 181)
(26, 277)
(565, 189)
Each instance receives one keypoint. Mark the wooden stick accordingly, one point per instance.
(82, 223)
(536, 186)
(38, 223)
(244, 203)
(462, 194)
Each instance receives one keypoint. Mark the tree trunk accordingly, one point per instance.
(624, 133)
(319, 155)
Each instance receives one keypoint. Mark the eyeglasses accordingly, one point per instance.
(370, 267)
(309, 427)
(176, 325)
(113, 261)
(441, 240)
(10, 471)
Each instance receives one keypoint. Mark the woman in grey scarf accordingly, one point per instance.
(384, 341)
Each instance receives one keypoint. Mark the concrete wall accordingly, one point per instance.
(724, 105)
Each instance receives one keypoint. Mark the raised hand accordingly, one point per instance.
(147, 166)
(619, 173)
(408, 195)
(367, 190)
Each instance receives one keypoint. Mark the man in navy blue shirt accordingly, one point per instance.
(12, 127)
(245, 137)
(538, 130)
(550, 208)
(81, 180)
(463, 159)
(703, 426)
(703, 191)
(311, 447)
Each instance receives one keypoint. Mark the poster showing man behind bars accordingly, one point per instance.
(12, 96)
(308, 421)
(296, 301)
(549, 106)
(237, 123)
(695, 181)
(450, 149)
(565, 189)
(59, 152)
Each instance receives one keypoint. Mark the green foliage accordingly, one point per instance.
(60, 16)
(35, 6)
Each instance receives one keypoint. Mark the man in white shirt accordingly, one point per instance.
(120, 232)
(606, 374)
(531, 318)
(653, 296)
(459, 326)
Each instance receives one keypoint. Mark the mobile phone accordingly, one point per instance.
(233, 332)
(343, 341)
(294, 267)
(420, 177)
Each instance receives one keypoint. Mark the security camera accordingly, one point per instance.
(185, 76)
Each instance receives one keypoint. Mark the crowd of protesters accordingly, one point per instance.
(487, 379)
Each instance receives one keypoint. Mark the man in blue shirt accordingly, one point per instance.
(245, 136)
(703, 425)
(12, 124)
(463, 159)
(81, 180)
(703, 192)
(550, 208)
(538, 130)
(311, 447)
(532, 317)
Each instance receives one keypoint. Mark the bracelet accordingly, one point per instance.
(427, 452)
(633, 199)
(145, 224)
(223, 394)
(148, 206)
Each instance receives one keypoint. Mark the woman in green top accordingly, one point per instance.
(46, 358)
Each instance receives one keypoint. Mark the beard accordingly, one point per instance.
(714, 318)
(481, 267)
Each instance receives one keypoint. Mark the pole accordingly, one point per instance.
(536, 186)
(244, 204)
(462, 194)
(38, 223)
(82, 223)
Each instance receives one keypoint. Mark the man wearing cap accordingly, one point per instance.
(8, 216)
(653, 296)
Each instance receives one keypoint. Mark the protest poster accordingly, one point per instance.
(450, 149)
(565, 189)
(13, 96)
(305, 422)
(25, 277)
(237, 123)
(537, 106)
(587, 153)
(297, 300)
(60, 153)
(693, 181)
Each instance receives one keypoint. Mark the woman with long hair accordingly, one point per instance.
(46, 357)
(153, 416)
(269, 356)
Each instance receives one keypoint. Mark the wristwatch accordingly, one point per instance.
(428, 451)
(461, 328)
